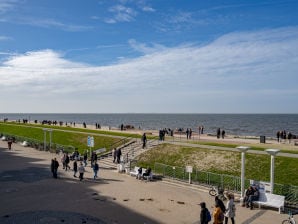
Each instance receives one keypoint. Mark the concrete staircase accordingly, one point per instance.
(129, 151)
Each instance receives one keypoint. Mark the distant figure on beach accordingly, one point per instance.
(202, 130)
(122, 127)
(278, 136)
(187, 133)
(290, 137)
(75, 168)
(218, 133)
(81, 171)
(223, 133)
(144, 139)
(9, 143)
(190, 133)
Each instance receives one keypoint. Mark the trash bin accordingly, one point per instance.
(262, 139)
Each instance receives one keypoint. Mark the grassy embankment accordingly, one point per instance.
(75, 137)
(217, 161)
(223, 162)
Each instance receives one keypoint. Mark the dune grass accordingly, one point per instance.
(223, 162)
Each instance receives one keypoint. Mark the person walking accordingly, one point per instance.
(67, 160)
(230, 211)
(52, 166)
(81, 171)
(144, 139)
(75, 168)
(9, 143)
(218, 216)
(220, 203)
(85, 158)
(95, 169)
(223, 133)
(218, 133)
(114, 155)
(205, 216)
(119, 153)
(55, 168)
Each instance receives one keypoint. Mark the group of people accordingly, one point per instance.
(188, 133)
(220, 133)
(283, 136)
(251, 195)
(144, 175)
(65, 160)
(221, 213)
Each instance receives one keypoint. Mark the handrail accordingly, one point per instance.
(121, 140)
(131, 151)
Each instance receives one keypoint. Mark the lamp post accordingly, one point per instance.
(273, 153)
(243, 150)
(45, 130)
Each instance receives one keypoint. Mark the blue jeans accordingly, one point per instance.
(95, 173)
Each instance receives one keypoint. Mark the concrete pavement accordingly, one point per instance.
(29, 194)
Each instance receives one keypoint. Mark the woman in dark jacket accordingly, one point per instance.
(203, 214)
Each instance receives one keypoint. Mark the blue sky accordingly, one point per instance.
(160, 56)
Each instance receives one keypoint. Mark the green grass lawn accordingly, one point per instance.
(223, 162)
(216, 161)
(75, 139)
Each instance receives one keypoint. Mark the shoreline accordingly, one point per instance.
(206, 137)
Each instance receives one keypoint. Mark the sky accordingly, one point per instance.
(148, 56)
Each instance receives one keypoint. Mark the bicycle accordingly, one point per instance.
(290, 219)
(217, 192)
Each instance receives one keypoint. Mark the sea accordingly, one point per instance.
(233, 124)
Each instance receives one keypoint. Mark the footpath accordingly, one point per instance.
(29, 194)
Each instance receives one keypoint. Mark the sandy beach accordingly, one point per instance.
(28, 192)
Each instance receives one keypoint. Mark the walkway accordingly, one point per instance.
(29, 193)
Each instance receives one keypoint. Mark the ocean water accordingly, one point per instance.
(234, 124)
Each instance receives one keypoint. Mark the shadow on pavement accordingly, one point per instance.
(29, 194)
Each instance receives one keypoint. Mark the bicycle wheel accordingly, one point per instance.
(286, 222)
(212, 192)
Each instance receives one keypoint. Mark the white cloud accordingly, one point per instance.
(121, 14)
(4, 38)
(237, 66)
(144, 48)
(51, 23)
(7, 5)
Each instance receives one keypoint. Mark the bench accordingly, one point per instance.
(24, 143)
(135, 172)
(271, 200)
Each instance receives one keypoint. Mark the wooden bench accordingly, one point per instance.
(271, 200)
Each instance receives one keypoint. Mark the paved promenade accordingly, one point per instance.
(29, 194)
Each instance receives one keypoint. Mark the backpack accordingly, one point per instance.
(208, 215)
(221, 217)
